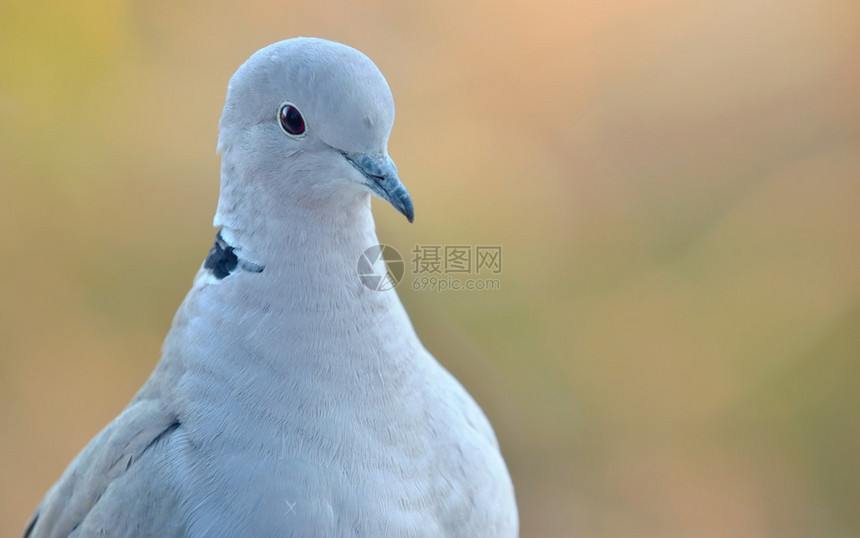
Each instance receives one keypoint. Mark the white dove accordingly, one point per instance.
(290, 399)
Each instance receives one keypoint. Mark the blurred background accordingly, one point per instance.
(675, 347)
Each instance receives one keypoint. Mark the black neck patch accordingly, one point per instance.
(222, 260)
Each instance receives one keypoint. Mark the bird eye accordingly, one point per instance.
(291, 120)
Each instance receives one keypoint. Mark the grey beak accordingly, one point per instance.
(382, 179)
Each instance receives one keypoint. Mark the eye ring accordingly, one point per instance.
(291, 120)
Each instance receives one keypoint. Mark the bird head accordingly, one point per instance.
(306, 121)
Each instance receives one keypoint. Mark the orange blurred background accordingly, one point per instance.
(675, 348)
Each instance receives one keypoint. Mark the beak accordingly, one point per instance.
(381, 178)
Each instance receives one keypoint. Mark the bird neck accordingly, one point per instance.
(317, 249)
(268, 224)
(292, 309)
(295, 291)
(297, 262)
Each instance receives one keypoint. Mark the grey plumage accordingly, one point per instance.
(290, 400)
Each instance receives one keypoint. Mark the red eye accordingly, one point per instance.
(291, 120)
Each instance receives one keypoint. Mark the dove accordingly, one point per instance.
(290, 399)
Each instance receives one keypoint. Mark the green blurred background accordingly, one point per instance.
(675, 350)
